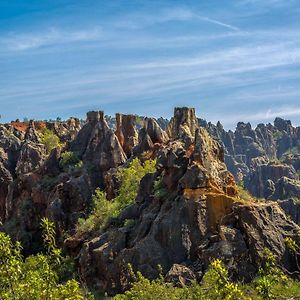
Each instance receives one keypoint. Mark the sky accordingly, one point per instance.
(233, 60)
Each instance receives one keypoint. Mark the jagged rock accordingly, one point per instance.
(266, 226)
(257, 179)
(51, 166)
(156, 134)
(291, 208)
(294, 160)
(69, 201)
(31, 134)
(5, 181)
(183, 125)
(66, 131)
(167, 231)
(283, 125)
(185, 214)
(286, 188)
(163, 123)
(97, 144)
(180, 275)
(31, 157)
(126, 132)
(150, 135)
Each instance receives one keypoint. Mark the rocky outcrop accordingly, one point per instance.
(185, 214)
(5, 181)
(292, 208)
(66, 131)
(260, 177)
(266, 159)
(126, 132)
(183, 125)
(31, 157)
(98, 145)
(150, 135)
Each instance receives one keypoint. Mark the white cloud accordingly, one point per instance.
(53, 36)
(137, 21)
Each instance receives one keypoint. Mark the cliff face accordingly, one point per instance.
(266, 158)
(186, 213)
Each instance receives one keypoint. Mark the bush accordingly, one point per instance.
(269, 276)
(70, 162)
(35, 277)
(130, 180)
(103, 209)
(215, 285)
(49, 139)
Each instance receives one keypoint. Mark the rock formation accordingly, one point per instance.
(266, 158)
(186, 213)
(199, 217)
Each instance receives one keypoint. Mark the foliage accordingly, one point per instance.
(70, 162)
(243, 193)
(269, 276)
(37, 276)
(159, 190)
(130, 180)
(49, 139)
(103, 209)
(215, 285)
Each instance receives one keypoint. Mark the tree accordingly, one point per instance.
(37, 276)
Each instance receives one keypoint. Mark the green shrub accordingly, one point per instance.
(37, 276)
(70, 162)
(49, 139)
(269, 276)
(105, 210)
(215, 285)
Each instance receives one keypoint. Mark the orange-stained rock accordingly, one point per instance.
(126, 132)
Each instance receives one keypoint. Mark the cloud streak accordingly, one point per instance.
(53, 36)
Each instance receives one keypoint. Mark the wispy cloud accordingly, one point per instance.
(53, 36)
(137, 21)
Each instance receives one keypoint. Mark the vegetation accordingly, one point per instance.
(49, 139)
(70, 162)
(104, 210)
(37, 276)
(271, 283)
(243, 193)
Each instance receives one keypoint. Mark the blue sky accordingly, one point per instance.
(232, 60)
